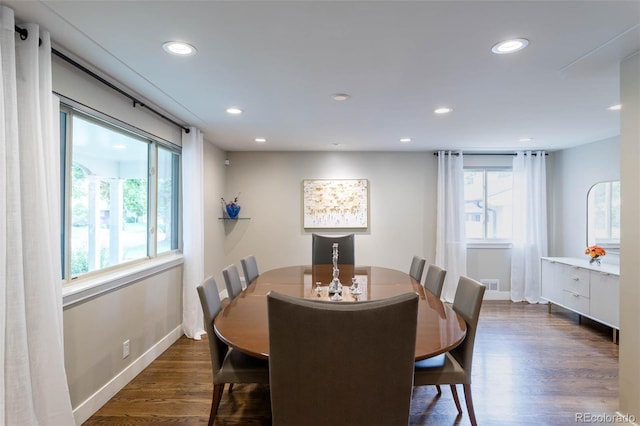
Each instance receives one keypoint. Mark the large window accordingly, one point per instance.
(488, 203)
(120, 192)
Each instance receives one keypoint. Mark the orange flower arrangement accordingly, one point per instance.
(594, 253)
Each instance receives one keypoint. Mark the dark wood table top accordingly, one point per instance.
(243, 323)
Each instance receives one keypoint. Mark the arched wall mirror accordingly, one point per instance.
(603, 215)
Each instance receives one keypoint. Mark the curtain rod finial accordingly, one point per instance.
(24, 33)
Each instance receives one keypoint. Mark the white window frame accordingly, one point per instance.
(80, 287)
(484, 241)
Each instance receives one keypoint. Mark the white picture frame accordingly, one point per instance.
(335, 203)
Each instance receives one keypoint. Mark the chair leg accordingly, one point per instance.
(454, 391)
(439, 390)
(467, 397)
(215, 402)
(230, 387)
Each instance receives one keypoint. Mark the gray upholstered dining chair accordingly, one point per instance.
(434, 283)
(228, 365)
(232, 281)
(322, 249)
(341, 363)
(249, 269)
(435, 279)
(417, 267)
(454, 366)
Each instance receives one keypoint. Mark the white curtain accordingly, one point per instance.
(33, 382)
(529, 225)
(192, 231)
(451, 246)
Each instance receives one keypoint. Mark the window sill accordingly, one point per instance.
(489, 244)
(83, 289)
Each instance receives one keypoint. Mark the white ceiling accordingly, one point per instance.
(281, 61)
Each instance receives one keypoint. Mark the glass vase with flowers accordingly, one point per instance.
(595, 252)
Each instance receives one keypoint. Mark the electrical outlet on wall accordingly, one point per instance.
(125, 349)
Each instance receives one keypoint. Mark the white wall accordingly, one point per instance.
(629, 372)
(214, 241)
(82, 88)
(574, 172)
(144, 313)
(402, 196)
(493, 263)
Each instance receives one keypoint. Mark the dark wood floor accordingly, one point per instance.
(530, 368)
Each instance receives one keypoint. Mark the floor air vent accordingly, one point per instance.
(491, 284)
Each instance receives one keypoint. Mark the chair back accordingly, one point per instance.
(211, 305)
(467, 303)
(347, 363)
(435, 279)
(249, 269)
(322, 249)
(232, 281)
(417, 267)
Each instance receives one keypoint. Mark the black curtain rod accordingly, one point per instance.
(117, 89)
(484, 153)
(24, 34)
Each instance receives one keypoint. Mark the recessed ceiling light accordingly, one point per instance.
(405, 140)
(340, 97)
(234, 110)
(443, 110)
(510, 46)
(179, 48)
(525, 139)
(119, 146)
(261, 140)
(615, 107)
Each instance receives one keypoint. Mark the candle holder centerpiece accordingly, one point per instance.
(335, 286)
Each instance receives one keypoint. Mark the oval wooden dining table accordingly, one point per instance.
(243, 323)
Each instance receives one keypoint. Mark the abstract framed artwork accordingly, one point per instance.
(335, 203)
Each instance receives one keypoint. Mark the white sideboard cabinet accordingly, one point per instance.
(590, 290)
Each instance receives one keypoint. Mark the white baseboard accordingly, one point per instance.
(87, 408)
(497, 295)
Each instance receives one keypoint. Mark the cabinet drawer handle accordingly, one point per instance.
(575, 278)
(575, 295)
